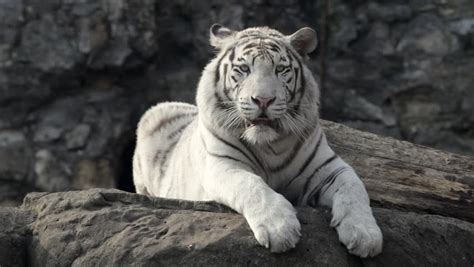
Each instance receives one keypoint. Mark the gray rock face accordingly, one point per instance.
(75, 76)
(411, 59)
(14, 236)
(61, 103)
(110, 227)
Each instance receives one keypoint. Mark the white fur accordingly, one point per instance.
(208, 160)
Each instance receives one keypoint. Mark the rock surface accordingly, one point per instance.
(110, 227)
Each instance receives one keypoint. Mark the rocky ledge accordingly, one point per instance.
(101, 227)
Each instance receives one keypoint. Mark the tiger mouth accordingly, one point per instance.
(259, 122)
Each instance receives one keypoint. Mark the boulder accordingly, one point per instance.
(100, 227)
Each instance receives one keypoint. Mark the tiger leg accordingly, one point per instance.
(270, 216)
(140, 187)
(351, 214)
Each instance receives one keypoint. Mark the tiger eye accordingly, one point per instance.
(280, 68)
(244, 68)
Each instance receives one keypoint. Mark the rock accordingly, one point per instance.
(51, 175)
(378, 39)
(77, 137)
(14, 235)
(46, 46)
(398, 54)
(10, 18)
(11, 137)
(110, 227)
(87, 172)
(15, 156)
(48, 133)
(428, 34)
(389, 12)
(463, 26)
(359, 108)
(93, 34)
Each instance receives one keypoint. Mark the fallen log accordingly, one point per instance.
(407, 176)
(101, 227)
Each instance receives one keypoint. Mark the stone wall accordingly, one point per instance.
(75, 76)
(403, 68)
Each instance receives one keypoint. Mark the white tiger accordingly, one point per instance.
(254, 143)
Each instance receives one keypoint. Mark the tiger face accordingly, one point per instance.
(260, 89)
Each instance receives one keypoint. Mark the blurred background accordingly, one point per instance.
(75, 75)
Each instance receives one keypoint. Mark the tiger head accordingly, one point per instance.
(258, 87)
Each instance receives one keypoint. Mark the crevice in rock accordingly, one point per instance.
(125, 169)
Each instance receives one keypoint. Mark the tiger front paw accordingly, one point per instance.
(359, 233)
(276, 227)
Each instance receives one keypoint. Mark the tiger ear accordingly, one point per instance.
(304, 41)
(220, 35)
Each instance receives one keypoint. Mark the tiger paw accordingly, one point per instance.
(277, 227)
(359, 233)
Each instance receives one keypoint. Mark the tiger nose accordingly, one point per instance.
(263, 102)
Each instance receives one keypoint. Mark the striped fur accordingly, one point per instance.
(252, 154)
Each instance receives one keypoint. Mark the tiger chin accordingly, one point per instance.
(254, 143)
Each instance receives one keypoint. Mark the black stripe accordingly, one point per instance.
(329, 181)
(308, 160)
(168, 121)
(178, 131)
(223, 156)
(164, 154)
(247, 52)
(253, 154)
(217, 71)
(254, 58)
(246, 39)
(275, 35)
(273, 47)
(231, 145)
(314, 195)
(225, 74)
(219, 102)
(308, 179)
(329, 160)
(232, 54)
(251, 45)
(271, 58)
(296, 70)
(285, 71)
(227, 157)
(226, 90)
(288, 159)
(237, 70)
(313, 154)
(302, 79)
(250, 32)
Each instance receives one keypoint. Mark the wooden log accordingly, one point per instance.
(407, 176)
